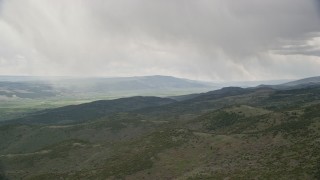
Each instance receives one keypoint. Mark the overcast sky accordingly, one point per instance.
(197, 39)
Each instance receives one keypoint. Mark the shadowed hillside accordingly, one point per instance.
(93, 110)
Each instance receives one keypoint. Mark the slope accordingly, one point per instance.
(231, 133)
(91, 111)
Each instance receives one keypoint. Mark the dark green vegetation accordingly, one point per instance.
(233, 133)
(94, 110)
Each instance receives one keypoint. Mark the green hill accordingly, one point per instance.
(231, 133)
(92, 110)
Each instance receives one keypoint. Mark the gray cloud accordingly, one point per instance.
(308, 45)
(203, 39)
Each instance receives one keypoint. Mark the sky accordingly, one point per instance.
(224, 40)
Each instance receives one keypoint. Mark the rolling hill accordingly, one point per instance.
(94, 110)
(302, 82)
(233, 133)
(297, 84)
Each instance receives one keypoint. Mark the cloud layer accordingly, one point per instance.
(203, 39)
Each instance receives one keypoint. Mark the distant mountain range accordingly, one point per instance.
(36, 87)
(129, 84)
(30, 87)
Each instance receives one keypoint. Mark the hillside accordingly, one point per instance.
(306, 81)
(93, 110)
(297, 84)
(236, 133)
